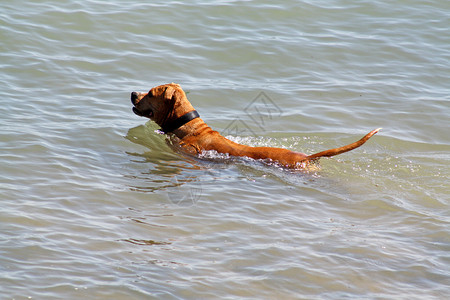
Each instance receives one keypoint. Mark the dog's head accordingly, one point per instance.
(162, 104)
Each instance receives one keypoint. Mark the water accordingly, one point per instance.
(97, 205)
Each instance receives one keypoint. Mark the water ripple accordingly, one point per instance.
(96, 204)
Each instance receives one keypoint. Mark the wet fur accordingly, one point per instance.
(165, 103)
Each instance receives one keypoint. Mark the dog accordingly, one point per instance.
(168, 106)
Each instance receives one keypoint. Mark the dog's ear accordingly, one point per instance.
(169, 93)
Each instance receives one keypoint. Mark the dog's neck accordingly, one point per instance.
(191, 128)
(177, 123)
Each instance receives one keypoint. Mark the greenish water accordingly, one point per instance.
(96, 204)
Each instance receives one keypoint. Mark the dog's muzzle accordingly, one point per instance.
(135, 100)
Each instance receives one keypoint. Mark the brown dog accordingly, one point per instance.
(168, 106)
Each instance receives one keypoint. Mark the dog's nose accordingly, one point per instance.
(134, 97)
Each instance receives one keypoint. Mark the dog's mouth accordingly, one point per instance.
(135, 100)
(146, 113)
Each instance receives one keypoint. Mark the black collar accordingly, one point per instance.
(180, 121)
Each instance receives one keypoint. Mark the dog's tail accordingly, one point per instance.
(340, 150)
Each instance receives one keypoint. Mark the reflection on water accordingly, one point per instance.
(168, 172)
(182, 176)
